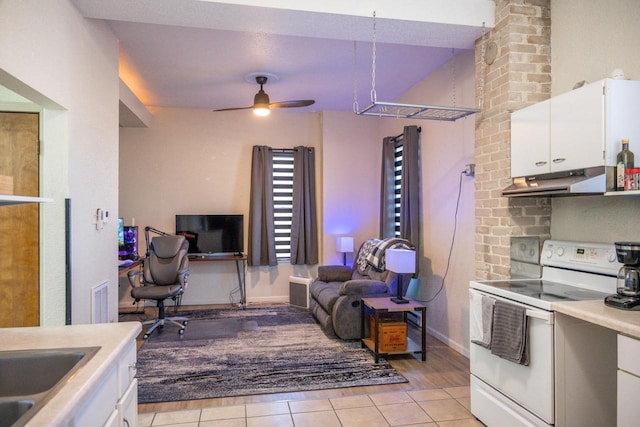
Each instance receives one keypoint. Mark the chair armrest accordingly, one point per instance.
(183, 275)
(363, 287)
(134, 278)
(183, 272)
(334, 273)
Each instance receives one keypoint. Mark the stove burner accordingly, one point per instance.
(517, 285)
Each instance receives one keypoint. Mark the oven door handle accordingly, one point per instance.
(542, 315)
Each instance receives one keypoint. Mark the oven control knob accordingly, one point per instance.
(560, 251)
(548, 253)
(611, 256)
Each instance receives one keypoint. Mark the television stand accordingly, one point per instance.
(238, 258)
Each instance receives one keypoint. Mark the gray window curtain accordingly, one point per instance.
(262, 246)
(410, 193)
(410, 196)
(387, 197)
(304, 224)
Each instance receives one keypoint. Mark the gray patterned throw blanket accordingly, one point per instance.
(372, 252)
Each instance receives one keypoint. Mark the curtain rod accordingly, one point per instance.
(401, 136)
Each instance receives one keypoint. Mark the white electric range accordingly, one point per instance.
(506, 393)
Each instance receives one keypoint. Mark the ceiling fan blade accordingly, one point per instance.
(233, 109)
(293, 104)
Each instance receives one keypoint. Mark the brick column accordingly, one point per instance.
(520, 75)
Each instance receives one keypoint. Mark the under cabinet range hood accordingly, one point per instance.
(577, 182)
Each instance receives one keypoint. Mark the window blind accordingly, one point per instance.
(283, 202)
(397, 187)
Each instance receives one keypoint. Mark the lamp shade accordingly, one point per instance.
(400, 260)
(344, 244)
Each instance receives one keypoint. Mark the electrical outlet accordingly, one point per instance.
(470, 169)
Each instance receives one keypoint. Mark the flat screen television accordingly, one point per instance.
(212, 234)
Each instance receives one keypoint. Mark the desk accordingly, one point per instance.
(385, 305)
(238, 259)
(123, 270)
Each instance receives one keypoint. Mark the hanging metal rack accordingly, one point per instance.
(402, 110)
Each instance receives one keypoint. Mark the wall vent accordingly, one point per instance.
(415, 318)
(100, 303)
(299, 291)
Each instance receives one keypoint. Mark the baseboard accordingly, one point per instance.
(450, 343)
(279, 299)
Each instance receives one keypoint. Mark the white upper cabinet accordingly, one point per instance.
(530, 140)
(578, 129)
(576, 125)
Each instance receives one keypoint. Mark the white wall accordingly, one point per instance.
(352, 153)
(198, 162)
(68, 65)
(446, 147)
(590, 38)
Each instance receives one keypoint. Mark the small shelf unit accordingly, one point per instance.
(6, 200)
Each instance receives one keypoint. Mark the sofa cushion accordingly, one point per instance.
(370, 273)
(325, 293)
(334, 273)
(363, 287)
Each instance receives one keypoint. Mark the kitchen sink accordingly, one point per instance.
(29, 378)
(12, 410)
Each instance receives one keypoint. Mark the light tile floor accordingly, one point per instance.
(443, 407)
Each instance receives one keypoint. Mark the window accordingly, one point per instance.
(397, 173)
(283, 202)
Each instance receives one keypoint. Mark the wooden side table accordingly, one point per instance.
(385, 305)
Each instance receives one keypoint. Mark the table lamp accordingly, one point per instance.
(344, 245)
(400, 261)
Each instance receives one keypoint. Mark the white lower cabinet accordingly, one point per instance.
(113, 420)
(127, 406)
(628, 381)
(114, 403)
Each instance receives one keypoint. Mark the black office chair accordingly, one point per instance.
(164, 275)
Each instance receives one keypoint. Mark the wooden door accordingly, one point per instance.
(19, 224)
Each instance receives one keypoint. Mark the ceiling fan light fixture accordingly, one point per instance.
(261, 111)
(261, 104)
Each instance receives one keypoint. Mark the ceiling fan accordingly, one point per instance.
(261, 105)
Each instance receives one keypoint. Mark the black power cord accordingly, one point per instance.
(453, 239)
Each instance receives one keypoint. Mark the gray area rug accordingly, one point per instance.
(286, 352)
(203, 329)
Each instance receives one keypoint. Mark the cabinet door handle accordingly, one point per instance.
(541, 163)
(126, 422)
(559, 160)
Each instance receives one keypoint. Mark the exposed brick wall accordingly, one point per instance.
(519, 76)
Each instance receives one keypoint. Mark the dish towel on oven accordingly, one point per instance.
(509, 332)
(481, 319)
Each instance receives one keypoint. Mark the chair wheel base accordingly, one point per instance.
(180, 331)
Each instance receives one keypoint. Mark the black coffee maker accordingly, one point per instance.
(628, 285)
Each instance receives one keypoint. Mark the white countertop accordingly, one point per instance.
(112, 338)
(623, 321)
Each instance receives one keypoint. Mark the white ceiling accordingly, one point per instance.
(196, 53)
